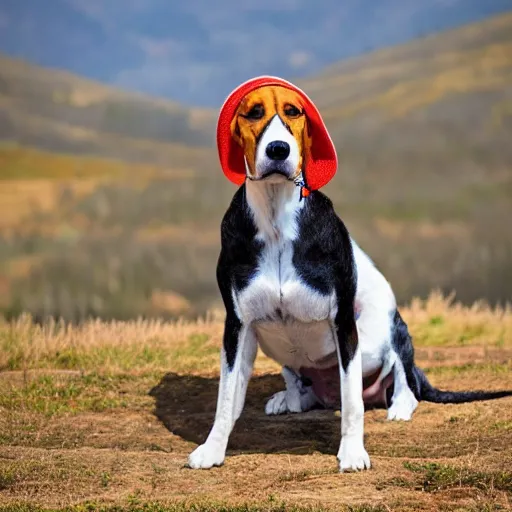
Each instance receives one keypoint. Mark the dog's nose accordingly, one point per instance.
(278, 150)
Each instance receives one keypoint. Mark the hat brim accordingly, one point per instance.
(322, 161)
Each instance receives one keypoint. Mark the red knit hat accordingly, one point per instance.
(320, 167)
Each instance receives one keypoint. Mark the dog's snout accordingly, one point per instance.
(278, 150)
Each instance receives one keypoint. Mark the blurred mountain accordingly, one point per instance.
(196, 51)
(419, 122)
(59, 111)
(423, 134)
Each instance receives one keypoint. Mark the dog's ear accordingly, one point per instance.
(235, 131)
(306, 142)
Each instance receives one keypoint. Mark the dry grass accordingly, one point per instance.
(143, 345)
(19, 199)
(441, 321)
(90, 419)
(185, 346)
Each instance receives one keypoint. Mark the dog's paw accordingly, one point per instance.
(352, 456)
(403, 407)
(283, 402)
(206, 456)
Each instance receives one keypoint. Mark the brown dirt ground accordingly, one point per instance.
(141, 451)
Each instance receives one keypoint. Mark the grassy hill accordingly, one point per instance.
(442, 104)
(58, 111)
(423, 133)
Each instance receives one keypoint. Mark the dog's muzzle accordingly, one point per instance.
(278, 152)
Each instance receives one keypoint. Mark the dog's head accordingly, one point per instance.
(271, 127)
(268, 129)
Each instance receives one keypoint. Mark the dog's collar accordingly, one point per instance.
(298, 182)
(304, 190)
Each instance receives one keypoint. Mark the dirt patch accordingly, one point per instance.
(186, 406)
(452, 457)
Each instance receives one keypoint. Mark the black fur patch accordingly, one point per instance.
(418, 382)
(323, 258)
(237, 263)
(402, 344)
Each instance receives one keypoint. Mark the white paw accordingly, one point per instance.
(403, 407)
(283, 402)
(206, 456)
(352, 456)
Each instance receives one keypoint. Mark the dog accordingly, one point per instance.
(295, 283)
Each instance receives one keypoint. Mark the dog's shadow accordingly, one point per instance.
(186, 406)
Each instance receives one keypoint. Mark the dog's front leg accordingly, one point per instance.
(237, 359)
(352, 455)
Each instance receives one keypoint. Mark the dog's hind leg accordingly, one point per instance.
(403, 401)
(237, 359)
(406, 388)
(297, 397)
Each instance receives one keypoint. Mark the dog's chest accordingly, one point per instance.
(292, 320)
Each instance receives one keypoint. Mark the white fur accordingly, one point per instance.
(352, 455)
(295, 398)
(274, 204)
(403, 403)
(275, 131)
(303, 334)
(376, 304)
(230, 402)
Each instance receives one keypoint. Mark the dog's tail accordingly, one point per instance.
(429, 393)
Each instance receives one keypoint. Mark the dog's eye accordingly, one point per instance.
(291, 111)
(256, 112)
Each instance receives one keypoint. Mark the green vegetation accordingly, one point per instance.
(471, 368)
(55, 394)
(17, 163)
(437, 477)
(112, 245)
(108, 347)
